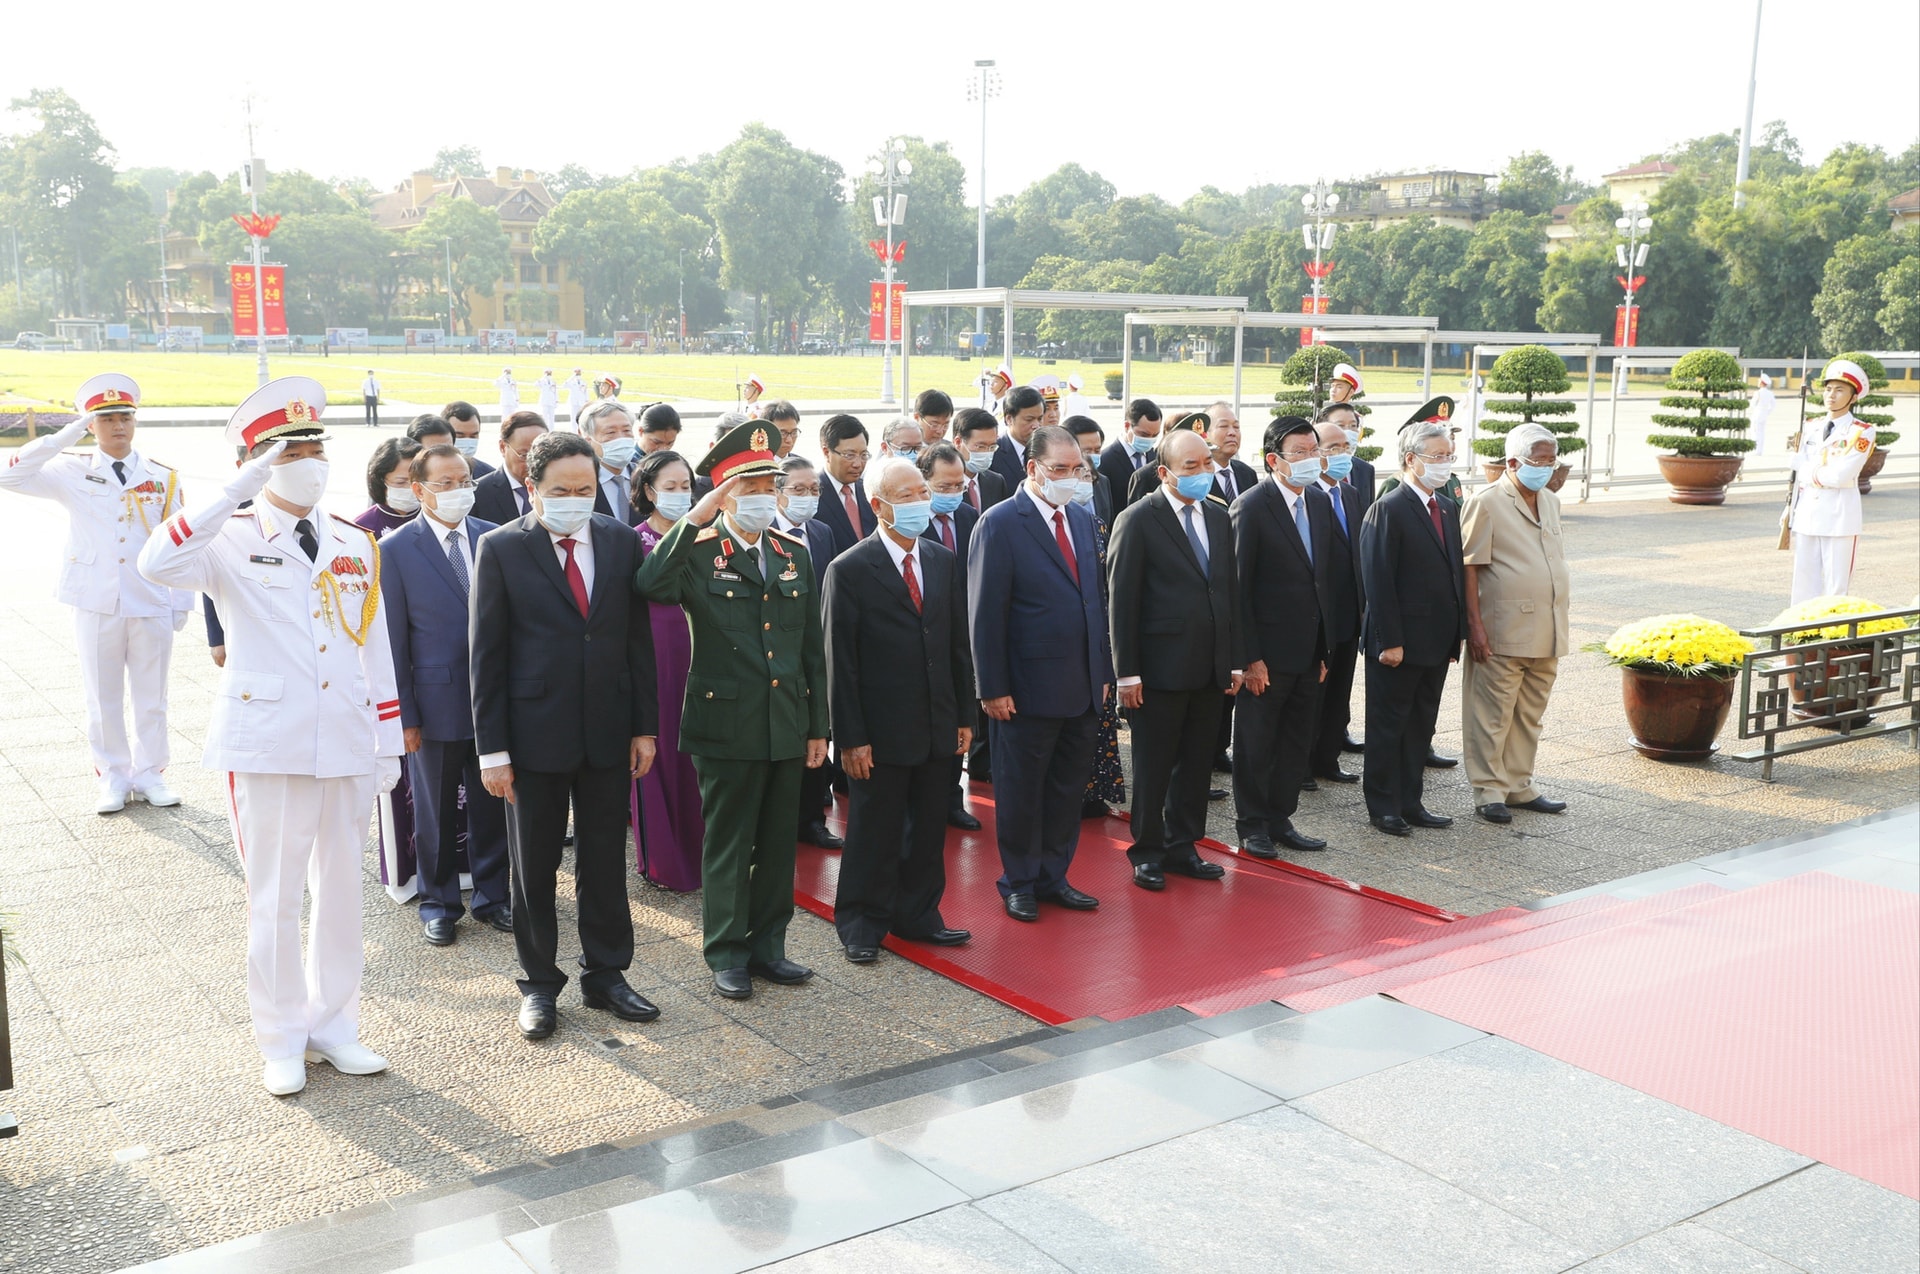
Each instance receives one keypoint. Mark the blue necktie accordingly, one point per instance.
(1300, 525)
(1340, 511)
(459, 561)
(1193, 538)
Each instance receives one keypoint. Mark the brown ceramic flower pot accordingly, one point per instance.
(1875, 463)
(1699, 479)
(1674, 718)
(1808, 682)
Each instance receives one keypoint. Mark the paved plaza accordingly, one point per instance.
(145, 1132)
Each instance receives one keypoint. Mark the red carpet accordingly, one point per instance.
(1140, 951)
(1790, 1010)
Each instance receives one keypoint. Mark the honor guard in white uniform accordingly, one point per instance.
(1825, 514)
(509, 392)
(306, 722)
(577, 399)
(1343, 384)
(750, 394)
(549, 396)
(124, 624)
(994, 386)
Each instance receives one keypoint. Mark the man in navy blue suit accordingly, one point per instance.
(952, 525)
(844, 508)
(426, 573)
(1042, 667)
(797, 486)
(1022, 409)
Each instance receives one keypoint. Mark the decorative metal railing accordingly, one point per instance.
(1799, 697)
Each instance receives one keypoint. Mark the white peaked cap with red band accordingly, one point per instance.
(289, 408)
(1847, 373)
(109, 391)
(1346, 372)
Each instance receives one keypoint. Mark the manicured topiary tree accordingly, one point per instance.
(1535, 373)
(1871, 407)
(1305, 382)
(1708, 392)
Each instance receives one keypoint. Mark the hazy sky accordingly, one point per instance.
(1158, 98)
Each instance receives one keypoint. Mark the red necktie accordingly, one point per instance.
(913, 585)
(1439, 527)
(1066, 545)
(853, 510)
(946, 533)
(575, 580)
(973, 495)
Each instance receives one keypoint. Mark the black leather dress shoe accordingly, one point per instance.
(1391, 824)
(1309, 785)
(1494, 812)
(1540, 805)
(1022, 906)
(1348, 745)
(941, 937)
(1339, 776)
(1072, 899)
(783, 971)
(958, 817)
(622, 1001)
(1217, 793)
(1223, 764)
(1195, 868)
(438, 931)
(1299, 841)
(1258, 847)
(1149, 877)
(818, 833)
(538, 1015)
(1437, 762)
(1422, 817)
(735, 984)
(862, 955)
(500, 918)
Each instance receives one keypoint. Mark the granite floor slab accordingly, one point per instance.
(1824, 1220)
(1313, 1051)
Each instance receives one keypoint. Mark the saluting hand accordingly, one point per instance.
(712, 502)
(252, 478)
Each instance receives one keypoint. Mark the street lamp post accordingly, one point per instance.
(1320, 203)
(448, 240)
(1630, 256)
(166, 301)
(982, 89)
(13, 232)
(892, 168)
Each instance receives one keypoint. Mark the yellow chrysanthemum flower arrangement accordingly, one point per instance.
(1676, 645)
(1834, 607)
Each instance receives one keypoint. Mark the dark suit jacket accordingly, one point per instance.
(1010, 462)
(993, 489)
(1416, 585)
(1116, 466)
(1361, 479)
(1244, 480)
(1103, 499)
(833, 516)
(493, 499)
(1173, 627)
(1036, 634)
(1145, 479)
(1285, 595)
(964, 520)
(1345, 597)
(819, 539)
(478, 468)
(557, 690)
(427, 627)
(899, 680)
(603, 502)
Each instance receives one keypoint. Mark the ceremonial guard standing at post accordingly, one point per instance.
(124, 624)
(756, 707)
(1825, 515)
(306, 721)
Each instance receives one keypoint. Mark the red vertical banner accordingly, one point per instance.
(1626, 326)
(884, 319)
(1308, 335)
(246, 321)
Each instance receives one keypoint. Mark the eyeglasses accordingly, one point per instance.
(1298, 456)
(448, 484)
(851, 456)
(801, 488)
(1447, 458)
(1059, 470)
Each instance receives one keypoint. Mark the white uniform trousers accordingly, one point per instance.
(1822, 565)
(295, 831)
(1502, 702)
(121, 654)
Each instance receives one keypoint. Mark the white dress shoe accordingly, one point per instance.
(112, 800)
(284, 1075)
(157, 794)
(349, 1059)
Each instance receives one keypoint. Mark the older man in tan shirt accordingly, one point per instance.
(1517, 591)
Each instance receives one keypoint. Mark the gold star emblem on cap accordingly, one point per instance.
(298, 413)
(759, 440)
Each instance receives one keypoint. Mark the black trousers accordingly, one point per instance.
(373, 410)
(1336, 708)
(1175, 736)
(536, 823)
(1041, 766)
(1273, 734)
(814, 794)
(980, 752)
(436, 772)
(1403, 705)
(893, 871)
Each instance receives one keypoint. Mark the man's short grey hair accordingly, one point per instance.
(1523, 439)
(788, 467)
(728, 422)
(893, 427)
(590, 418)
(1215, 408)
(1416, 436)
(882, 476)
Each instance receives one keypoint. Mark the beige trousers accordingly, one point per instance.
(1501, 704)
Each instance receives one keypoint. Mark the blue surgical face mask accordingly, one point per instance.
(1304, 473)
(1338, 467)
(906, 453)
(673, 505)
(913, 517)
(618, 454)
(1535, 476)
(802, 507)
(467, 446)
(979, 461)
(947, 503)
(1194, 486)
(1141, 445)
(1083, 493)
(754, 513)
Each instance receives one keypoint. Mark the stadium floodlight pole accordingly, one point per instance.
(1746, 130)
(986, 87)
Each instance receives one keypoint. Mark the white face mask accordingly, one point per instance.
(801, 508)
(565, 514)
(754, 513)
(467, 446)
(300, 483)
(1059, 492)
(451, 506)
(402, 500)
(1434, 473)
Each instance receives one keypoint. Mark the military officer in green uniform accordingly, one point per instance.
(756, 706)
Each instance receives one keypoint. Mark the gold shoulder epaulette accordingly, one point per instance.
(707, 533)
(1219, 500)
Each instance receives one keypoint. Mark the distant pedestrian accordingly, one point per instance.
(370, 395)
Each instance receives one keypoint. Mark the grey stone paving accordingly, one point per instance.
(145, 1130)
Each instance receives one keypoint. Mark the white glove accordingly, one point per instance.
(252, 478)
(386, 772)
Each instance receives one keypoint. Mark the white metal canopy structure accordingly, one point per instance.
(1007, 300)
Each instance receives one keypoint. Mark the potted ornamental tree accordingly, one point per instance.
(1706, 407)
(1305, 381)
(1534, 373)
(1677, 675)
(1871, 409)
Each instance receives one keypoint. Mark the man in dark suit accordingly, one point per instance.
(1357, 474)
(1042, 670)
(565, 710)
(1087, 434)
(1145, 482)
(1284, 541)
(1125, 455)
(1023, 410)
(608, 424)
(1177, 654)
(976, 434)
(844, 510)
(1411, 562)
(465, 419)
(501, 496)
(426, 574)
(1340, 617)
(797, 486)
(1232, 476)
(900, 690)
(951, 526)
